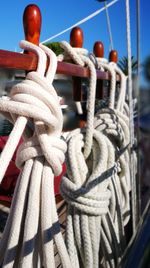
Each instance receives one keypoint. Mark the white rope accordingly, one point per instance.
(33, 224)
(97, 184)
(109, 26)
(114, 123)
(80, 22)
(79, 55)
(97, 187)
(132, 153)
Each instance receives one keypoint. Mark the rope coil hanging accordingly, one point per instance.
(97, 183)
(92, 188)
(33, 222)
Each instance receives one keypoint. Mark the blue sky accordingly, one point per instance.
(58, 15)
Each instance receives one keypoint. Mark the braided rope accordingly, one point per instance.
(33, 224)
(79, 56)
(97, 184)
(97, 188)
(132, 153)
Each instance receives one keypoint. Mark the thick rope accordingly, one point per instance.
(33, 224)
(97, 188)
(79, 56)
(97, 184)
(109, 121)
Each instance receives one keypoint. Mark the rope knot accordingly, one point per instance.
(54, 152)
(84, 200)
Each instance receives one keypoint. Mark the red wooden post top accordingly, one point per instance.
(113, 56)
(32, 23)
(98, 49)
(76, 37)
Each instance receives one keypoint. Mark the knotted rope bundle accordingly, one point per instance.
(97, 200)
(33, 222)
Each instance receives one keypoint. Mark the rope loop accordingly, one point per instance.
(35, 99)
(87, 203)
(81, 56)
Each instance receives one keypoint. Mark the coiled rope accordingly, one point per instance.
(33, 224)
(97, 184)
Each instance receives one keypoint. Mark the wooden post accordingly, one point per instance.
(32, 24)
(113, 56)
(76, 37)
(98, 51)
(76, 40)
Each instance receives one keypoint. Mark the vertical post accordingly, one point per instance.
(32, 20)
(76, 37)
(98, 51)
(113, 56)
(76, 40)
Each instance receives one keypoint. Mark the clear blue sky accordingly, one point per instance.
(58, 15)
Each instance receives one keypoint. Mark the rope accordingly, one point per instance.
(97, 184)
(132, 153)
(79, 56)
(109, 26)
(33, 224)
(81, 21)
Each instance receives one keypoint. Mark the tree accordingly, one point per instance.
(55, 46)
(123, 64)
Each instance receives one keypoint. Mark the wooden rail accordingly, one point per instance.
(28, 61)
(20, 61)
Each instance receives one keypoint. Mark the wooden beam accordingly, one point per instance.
(20, 61)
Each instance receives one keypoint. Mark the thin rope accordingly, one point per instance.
(138, 107)
(80, 22)
(130, 92)
(109, 26)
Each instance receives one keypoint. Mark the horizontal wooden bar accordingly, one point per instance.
(20, 61)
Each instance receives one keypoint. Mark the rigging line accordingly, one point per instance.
(138, 35)
(109, 26)
(81, 21)
(132, 156)
(138, 105)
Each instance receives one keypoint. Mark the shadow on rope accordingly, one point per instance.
(29, 245)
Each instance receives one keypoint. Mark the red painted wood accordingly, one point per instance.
(76, 37)
(113, 56)
(18, 61)
(76, 40)
(98, 49)
(77, 88)
(32, 23)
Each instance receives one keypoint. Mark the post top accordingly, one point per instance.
(98, 49)
(76, 37)
(32, 23)
(113, 56)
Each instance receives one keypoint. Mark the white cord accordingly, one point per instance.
(132, 153)
(33, 224)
